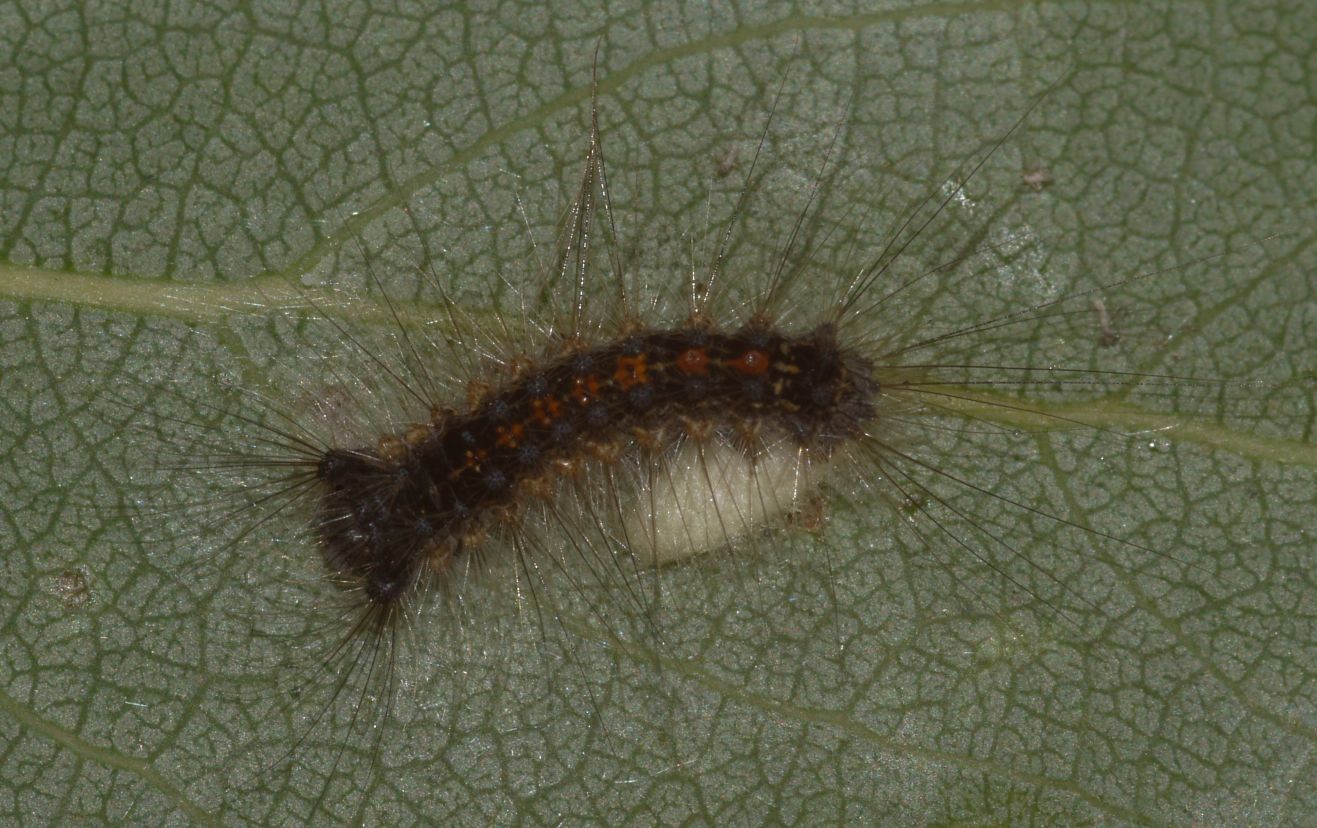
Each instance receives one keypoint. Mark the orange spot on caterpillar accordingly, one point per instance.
(631, 371)
(585, 390)
(510, 436)
(474, 458)
(545, 410)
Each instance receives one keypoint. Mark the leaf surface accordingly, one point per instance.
(167, 176)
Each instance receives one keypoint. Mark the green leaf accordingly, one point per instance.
(166, 175)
